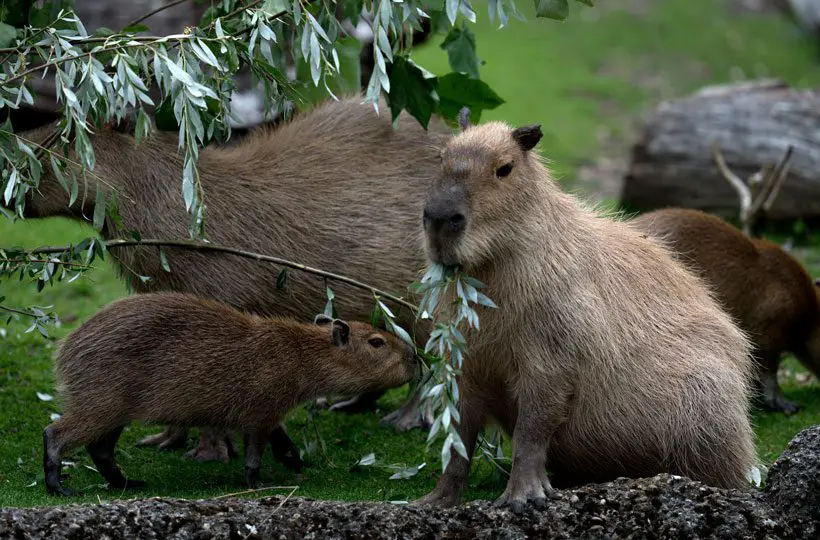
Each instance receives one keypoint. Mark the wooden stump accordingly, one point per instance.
(752, 124)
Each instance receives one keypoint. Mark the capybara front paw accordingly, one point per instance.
(171, 439)
(520, 494)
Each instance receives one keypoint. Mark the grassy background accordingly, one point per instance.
(588, 82)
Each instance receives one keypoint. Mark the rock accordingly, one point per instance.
(660, 507)
(793, 485)
(753, 123)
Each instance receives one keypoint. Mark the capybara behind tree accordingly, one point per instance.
(769, 294)
(179, 359)
(605, 357)
(336, 188)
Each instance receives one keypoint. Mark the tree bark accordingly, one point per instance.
(753, 124)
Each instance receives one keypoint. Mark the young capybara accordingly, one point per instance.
(605, 357)
(337, 188)
(179, 359)
(769, 294)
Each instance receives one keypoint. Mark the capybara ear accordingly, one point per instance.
(817, 281)
(340, 335)
(464, 118)
(528, 136)
(322, 319)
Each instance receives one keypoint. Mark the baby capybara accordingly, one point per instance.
(175, 358)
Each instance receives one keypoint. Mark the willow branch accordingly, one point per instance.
(203, 247)
(154, 12)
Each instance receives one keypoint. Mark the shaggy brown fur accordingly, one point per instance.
(770, 295)
(336, 188)
(605, 357)
(176, 358)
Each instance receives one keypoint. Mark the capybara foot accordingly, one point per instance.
(213, 448)
(442, 498)
(781, 404)
(128, 484)
(405, 419)
(172, 438)
(60, 491)
(358, 404)
(528, 490)
(252, 477)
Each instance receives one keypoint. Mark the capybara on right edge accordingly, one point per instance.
(337, 188)
(175, 358)
(770, 295)
(605, 356)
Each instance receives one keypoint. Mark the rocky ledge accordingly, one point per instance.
(660, 507)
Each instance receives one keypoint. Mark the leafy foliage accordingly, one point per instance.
(186, 80)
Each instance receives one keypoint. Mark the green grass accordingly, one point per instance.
(586, 81)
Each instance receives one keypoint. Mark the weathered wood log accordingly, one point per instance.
(753, 124)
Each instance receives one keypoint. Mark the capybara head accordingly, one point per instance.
(473, 203)
(378, 360)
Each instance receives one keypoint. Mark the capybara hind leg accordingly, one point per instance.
(254, 448)
(772, 396)
(173, 438)
(410, 415)
(214, 445)
(102, 453)
(52, 449)
(362, 403)
(284, 450)
(449, 487)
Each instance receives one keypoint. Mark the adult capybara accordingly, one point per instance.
(338, 188)
(605, 357)
(769, 294)
(176, 358)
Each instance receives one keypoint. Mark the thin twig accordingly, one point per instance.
(154, 12)
(200, 246)
(739, 185)
(780, 174)
(249, 491)
(18, 311)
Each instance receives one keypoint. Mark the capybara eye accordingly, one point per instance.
(376, 342)
(504, 170)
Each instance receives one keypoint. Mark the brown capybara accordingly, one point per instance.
(179, 359)
(605, 356)
(337, 188)
(769, 294)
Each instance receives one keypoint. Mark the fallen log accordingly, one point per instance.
(752, 125)
(660, 507)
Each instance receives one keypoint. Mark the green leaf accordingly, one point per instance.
(102, 31)
(8, 34)
(163, 260)
(135, 29)
(99, 209)
(411, 90)
(456, 90)
(460, 47)
(552, 9)
(281, 279)
(590, 3)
